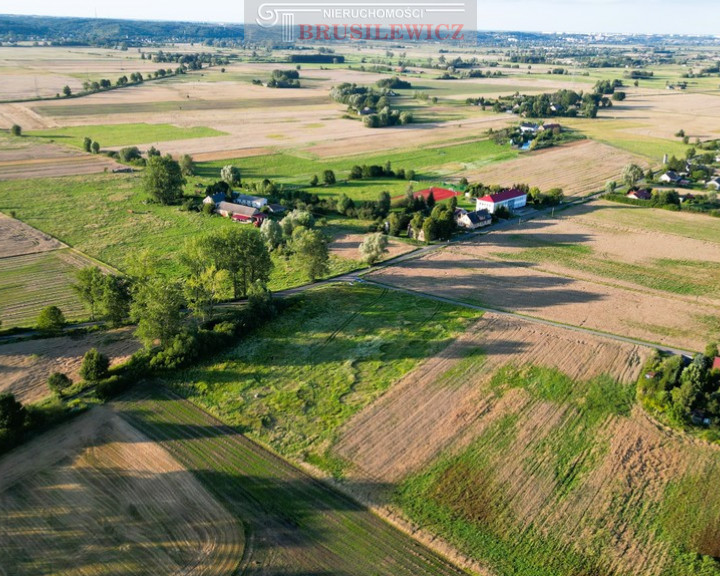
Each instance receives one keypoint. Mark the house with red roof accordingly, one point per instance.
(716, 363)
(511, 199)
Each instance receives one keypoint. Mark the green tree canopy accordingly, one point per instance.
(163, 180)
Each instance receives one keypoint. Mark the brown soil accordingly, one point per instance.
(580, 168)
(26, 366)
(99, 498)
(17, 238)
(347, 246)
(423, 415)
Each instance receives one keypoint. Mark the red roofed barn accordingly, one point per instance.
(511, 199)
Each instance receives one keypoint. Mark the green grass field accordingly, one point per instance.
(333, 352)
(474, 500)
(295, 524)
(109, 135)
(430, 164)
(31, 282)
(108, 218)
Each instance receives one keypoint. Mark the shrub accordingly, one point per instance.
(51, 319)
(95, 366)
(58, 383)
(16, 130)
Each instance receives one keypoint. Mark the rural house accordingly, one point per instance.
(215, 198)
(252, 201)
(472, 220)
(529, 128)
(670, 177)
(511, 199)
(240, 213)
(714, 183)
(640, 194)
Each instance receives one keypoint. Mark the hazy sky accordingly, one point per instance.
(642, 16)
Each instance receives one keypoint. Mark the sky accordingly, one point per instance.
(623, 16)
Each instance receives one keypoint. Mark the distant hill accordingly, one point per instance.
(102, 31)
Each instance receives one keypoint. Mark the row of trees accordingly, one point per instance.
(358, 172)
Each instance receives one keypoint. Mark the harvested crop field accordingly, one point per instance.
(30, 282)
(17, 239)
(347, 246)
(96, 497)
(580, 168)
(465, 273)
(442, 403)
(295, 524)
(26, 366)
(33, 159)
(521, 444)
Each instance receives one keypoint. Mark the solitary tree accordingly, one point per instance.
(87, 144)
(51, 319)
(16, 130)
(632, 173)
(373, 247)
(58, 383)
(163, 180)
(12, 418)
(311, 252)
(116, 298)
(66, 90)
(231, 175)
(95, 147)
(95, 366)
(187, 165)
(329, 177)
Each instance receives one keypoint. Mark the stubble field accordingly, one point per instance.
(97, 497)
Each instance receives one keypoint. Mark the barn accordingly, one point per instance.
(512, 199)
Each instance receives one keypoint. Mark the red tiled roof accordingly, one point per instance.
(502, 196)
(716, 363)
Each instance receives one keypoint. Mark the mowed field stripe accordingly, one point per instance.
(293, 521)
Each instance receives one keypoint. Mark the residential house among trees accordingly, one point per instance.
(240, 213)
(640, 194)
(472, 220)
(512, 199)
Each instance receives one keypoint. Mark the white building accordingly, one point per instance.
(252, 201)
(511, 199)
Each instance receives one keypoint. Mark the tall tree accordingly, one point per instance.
(243, 253)
(272, 233)
(373, 247)
(231, 175)
(187, 165)
(311, 252)
(12, 418)
(90, 287)
(203, 291)
(157, 308)
(163, 180)
(632, 173)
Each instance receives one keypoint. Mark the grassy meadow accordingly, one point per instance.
(330, 354)
(111, 135)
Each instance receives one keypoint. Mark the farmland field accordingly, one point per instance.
(17, 239)
(29, 283)
(523, 446)
(296, 525)
(26, 366)
(116, 135)
(343, 345)
(653, 281)
(97, 497)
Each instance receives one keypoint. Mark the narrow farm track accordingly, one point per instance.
(294, 524)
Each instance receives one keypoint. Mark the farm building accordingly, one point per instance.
(472, 220)
(640, 194)
(670, 177)
(215, 198)
(714, 183)
(529, 128)
(511, 199)
(252, 201)
(240, 213)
